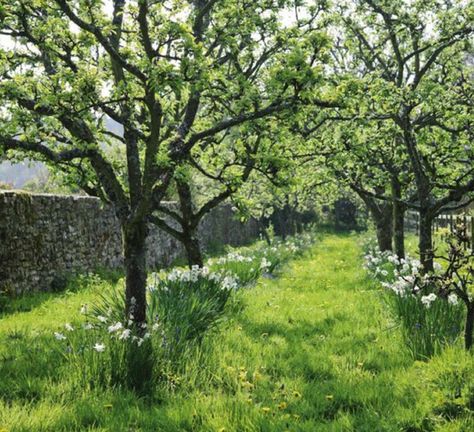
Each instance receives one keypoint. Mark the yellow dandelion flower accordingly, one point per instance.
(329, 397)
(282, 405)
(243, 376)
(247, 385)
(266, 410)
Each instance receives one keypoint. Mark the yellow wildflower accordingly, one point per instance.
(248, 385)
(243, 376)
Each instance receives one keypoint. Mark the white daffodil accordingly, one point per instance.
(99, 347)
(428, 299)
(453, 299)
(125, 334)
(113, 328)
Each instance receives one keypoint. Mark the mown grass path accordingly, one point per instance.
(321, 337)
(313, 350)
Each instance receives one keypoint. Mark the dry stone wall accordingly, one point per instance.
(44, 237)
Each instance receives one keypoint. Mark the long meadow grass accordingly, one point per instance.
(313, 349)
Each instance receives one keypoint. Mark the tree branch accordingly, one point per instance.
(106, 44)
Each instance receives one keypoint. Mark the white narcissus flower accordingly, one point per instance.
(84, 309)
(59, 336)
(453, 299)
(99, 347)
(229, 283)
(393, 259)
(265, 264)
(102, 318)
(428, 299)
(125, 334)
(68, 327)
(113, 328)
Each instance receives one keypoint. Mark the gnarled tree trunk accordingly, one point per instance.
(193, 249)
(425, 243)
(139, 360)
(263, 231)
(384, 228)
(398, 219)
(382, 216)
(134, 249)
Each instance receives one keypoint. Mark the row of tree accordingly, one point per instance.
(256, 102)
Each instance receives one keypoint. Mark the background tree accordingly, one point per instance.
(409, 67)
(215, 173)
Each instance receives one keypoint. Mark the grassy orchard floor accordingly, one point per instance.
(313, 350)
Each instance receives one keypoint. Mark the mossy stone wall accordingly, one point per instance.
(43, 237)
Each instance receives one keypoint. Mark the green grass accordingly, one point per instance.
(313, 350)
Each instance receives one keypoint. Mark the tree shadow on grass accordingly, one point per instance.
(64, 286)
(28, 367)
(25, 303)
